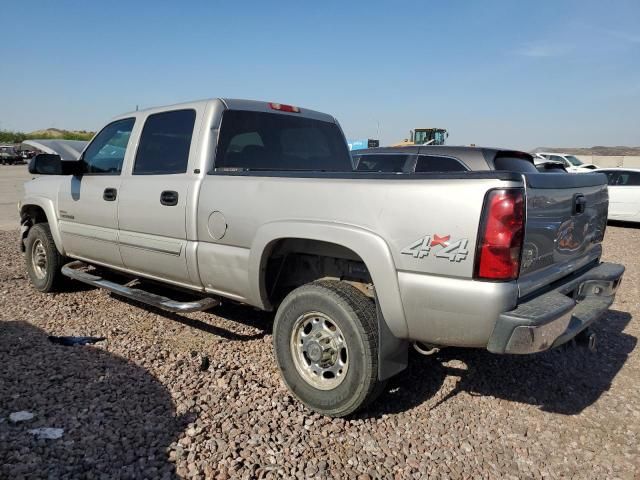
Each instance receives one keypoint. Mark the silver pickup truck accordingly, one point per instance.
(258, 203)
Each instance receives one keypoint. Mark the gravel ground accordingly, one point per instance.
(141, 404)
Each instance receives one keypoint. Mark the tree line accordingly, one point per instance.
(7, 136)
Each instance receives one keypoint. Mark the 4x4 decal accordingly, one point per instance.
(455, 251)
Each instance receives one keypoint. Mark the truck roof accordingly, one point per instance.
(453, 150)
(476, 158)
(234, 104)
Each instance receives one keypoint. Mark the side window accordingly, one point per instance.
(628, 179)
(164, 143)
(105, 154)
(634, 179)
(433, 163)
(390, 163)
(611, 176)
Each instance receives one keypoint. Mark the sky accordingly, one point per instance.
(497, 73)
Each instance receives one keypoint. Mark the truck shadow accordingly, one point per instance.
(262, 321)
(565, 380)
(228, 310)
(118, 420)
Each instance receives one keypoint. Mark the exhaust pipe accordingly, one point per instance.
(425, 349)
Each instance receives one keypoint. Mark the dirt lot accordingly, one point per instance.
(12, 177)
(141, 404)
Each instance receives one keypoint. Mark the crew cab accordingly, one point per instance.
(259, 203)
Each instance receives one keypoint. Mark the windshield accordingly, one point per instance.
(422, 137)
(573, 160)
(436, 137)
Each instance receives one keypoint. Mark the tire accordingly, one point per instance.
(326, 344)
(44, 262)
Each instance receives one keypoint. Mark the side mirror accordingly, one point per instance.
(52, 164)
(46, 164)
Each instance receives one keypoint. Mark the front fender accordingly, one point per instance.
(371, 248)
(47, 205)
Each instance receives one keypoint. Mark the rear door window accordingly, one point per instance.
(435, 163)
(280, 142)
(165, 143)
(392, 163)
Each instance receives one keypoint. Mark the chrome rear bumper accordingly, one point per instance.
(558, 315)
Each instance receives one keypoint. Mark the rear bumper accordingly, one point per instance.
(557, 316)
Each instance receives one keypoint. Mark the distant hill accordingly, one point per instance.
(604, 151)
(50, 134)
(61, 134)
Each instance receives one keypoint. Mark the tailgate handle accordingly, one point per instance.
(579, 204)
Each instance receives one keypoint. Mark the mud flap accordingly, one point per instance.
(393, 352)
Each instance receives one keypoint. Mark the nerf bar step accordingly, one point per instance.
(72, 270)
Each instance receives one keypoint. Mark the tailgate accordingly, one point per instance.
(566, 216)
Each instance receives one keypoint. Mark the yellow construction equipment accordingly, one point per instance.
(424, 136)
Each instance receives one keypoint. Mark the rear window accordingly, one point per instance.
(434, 163)
(381, 162)
(514, 164)
(270, 141)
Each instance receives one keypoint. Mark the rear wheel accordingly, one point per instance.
(44, 262)
(326, 345)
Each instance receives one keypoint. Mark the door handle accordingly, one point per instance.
(169, 198)
(110, 194)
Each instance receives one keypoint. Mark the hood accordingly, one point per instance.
(67, 149)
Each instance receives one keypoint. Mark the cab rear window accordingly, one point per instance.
(278, 142)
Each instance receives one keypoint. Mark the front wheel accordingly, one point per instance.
(44, 262)
(326, 345)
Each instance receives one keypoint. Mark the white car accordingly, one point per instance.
(571, 163)
(624, 193)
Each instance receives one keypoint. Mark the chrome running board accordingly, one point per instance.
(72, 270)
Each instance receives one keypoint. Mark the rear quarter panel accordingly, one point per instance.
(398, 213)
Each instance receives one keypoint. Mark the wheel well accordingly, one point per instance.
(293, 262)
(29, 216)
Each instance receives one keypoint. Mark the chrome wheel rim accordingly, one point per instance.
(39, 259)
(319, 351)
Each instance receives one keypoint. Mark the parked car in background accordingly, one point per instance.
(624, 193)
(571, 163)
(434, 159)
(9, 155)
(27, 154)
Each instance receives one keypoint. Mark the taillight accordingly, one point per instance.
(501, 234)
(284, 108)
